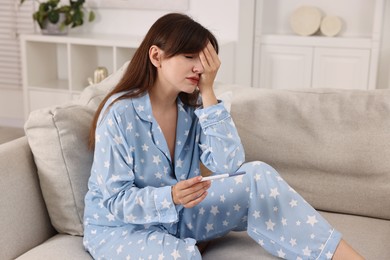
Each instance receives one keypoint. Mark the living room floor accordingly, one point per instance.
(10, 133)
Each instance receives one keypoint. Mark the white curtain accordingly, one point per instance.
(15, 19)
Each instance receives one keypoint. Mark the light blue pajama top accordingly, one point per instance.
(132, 172)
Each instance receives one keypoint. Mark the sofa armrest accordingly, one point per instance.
(24, 219)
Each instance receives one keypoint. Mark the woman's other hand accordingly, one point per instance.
(211, 63)
(191, 192)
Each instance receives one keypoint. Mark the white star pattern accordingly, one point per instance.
(107, 164)
(189, 226)
(256, 214)
(119, 249)
(209, 227)
(139, 201)
(306, 251)
(281, 254)
(312, 220)
(129, 159)
(130, 164)
(110, 217)
(203, 118)
(329, 255)
(145, 148)
(270, 225)
(293, 203)
(115, 178)
(129, 126)
(118, 139)
(214, 210)
(179, 163)
(140, 108)
(130, 218)
(293, 242)
(156, 159)
(238, 179)
(175, 254)
(190, 248)
(165, 204)
(274, 193)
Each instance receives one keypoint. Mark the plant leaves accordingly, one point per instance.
(53, 16)
(91, 16)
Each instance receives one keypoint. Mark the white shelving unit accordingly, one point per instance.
(56, 68)
(349, 60)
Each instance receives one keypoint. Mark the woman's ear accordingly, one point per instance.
(155, 55)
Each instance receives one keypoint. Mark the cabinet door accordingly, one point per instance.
(285, 66)
(341, 68)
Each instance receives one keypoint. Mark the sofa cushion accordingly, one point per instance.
(59, 247)
(332, 146)
(366, 235)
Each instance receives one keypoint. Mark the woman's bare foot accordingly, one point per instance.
(346, 252)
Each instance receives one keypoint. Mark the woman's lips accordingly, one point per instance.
(193, 80)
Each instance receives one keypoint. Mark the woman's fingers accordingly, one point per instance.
(190, 192)
(209, 58)
(196, 201)
(212, 56)
(211, 63)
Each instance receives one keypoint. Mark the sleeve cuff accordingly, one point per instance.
(166, 209)
(212, 114)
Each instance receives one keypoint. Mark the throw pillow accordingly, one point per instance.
(58, 140)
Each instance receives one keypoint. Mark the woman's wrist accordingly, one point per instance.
(208, 97)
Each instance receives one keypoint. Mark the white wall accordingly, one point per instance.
(219, 16)
(223, 22)
(384, 57)
(223, 17)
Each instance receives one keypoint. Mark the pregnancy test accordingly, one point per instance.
(220, 176)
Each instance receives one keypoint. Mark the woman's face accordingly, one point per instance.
(180, 73)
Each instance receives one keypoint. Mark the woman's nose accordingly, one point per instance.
(198, 67)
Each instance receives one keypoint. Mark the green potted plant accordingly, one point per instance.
(54, 18)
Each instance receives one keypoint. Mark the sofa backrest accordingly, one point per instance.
(332, 146)
(24, 220)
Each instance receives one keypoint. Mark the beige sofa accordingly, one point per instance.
(332, 146)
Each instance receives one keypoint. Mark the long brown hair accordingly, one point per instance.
(173, 33)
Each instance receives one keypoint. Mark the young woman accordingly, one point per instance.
(146, 197)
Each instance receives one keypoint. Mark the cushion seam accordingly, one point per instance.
(66, 165)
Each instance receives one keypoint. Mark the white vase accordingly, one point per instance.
(55, 28)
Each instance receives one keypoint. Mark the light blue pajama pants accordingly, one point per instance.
(260, 201)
